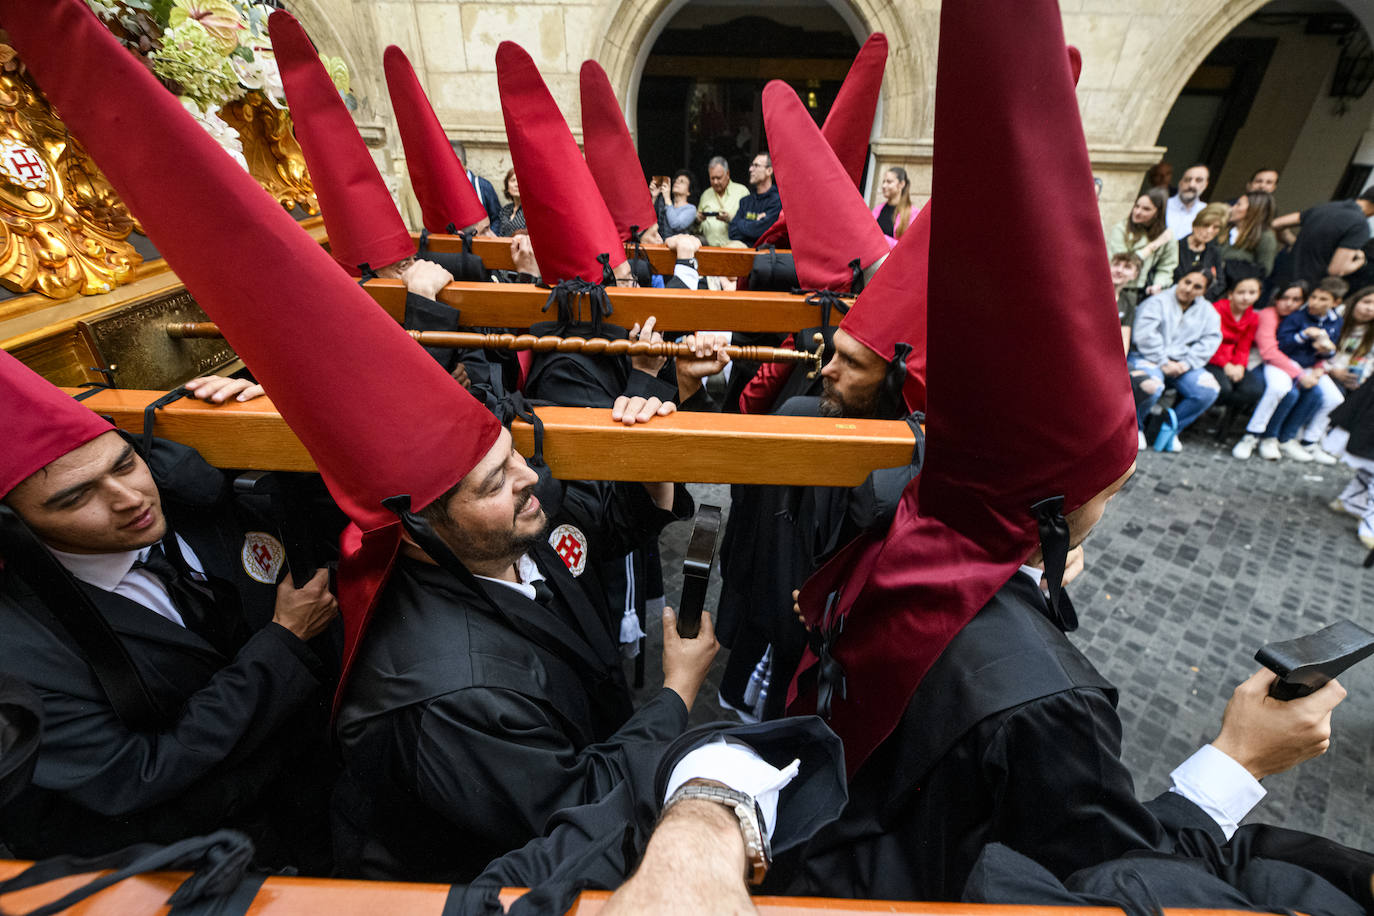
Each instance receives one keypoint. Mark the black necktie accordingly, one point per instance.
(542, 593)
(194, 601)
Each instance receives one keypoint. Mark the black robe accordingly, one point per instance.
(241, 728)
(1012, 737)
(466, 726)
(775, 539)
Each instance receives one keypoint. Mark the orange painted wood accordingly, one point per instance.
(145, 895)
(518, 305)
(579, 443)
(712, 262)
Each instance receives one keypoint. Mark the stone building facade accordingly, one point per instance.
(1138, 55)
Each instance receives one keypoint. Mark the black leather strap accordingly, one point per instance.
(150, 417)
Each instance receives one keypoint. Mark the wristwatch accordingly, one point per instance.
(756, 846)
(690, 262)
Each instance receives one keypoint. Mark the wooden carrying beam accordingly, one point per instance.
(711, 262)
(519, 305)
(579, 443)
(306, 896)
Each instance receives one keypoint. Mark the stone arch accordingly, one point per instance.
(1204, 30)
(631, 27)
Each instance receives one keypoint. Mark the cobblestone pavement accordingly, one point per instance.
(1200, 561)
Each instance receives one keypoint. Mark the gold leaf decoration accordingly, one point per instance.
(63, 230)
(274, 157)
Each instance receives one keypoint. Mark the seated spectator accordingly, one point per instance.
(1125, 268)
(1279, 373)
(1306, 336)
(895, 213)
(511, 218)
(1353, 363)
(1145, 234)
(759, 210)
(1176, 333)
(1231, 363)
(1199, 249)
(1183, 207)
(675, 214)
(1352, 439)
(718, 203)
(1252, 245)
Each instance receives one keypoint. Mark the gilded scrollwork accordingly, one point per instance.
(63, 229)
(269, 145)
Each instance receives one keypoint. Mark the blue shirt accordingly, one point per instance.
(1299, 348)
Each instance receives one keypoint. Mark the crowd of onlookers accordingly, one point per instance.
(723, 214)
(1224, 304)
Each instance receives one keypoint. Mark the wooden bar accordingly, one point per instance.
(712, 262)
(519, 305)
(579, 443)
(146, 895)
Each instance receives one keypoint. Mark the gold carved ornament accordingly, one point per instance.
(63, 229)
(269, 145)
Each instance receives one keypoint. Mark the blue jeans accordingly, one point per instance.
(1196, 392)
(1308, 402)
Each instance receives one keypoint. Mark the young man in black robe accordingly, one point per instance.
(179, 692)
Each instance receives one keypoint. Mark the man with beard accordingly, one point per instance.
(779, 535)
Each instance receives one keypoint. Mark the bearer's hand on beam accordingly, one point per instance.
(522, 254)
(425, 278)
(630, 410)
(217, 389)
(683, 245)
(647, 363)
(1268, 736)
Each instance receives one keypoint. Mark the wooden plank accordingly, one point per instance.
(147, 894)
(519, 305)
(579, 443)
(712, 262)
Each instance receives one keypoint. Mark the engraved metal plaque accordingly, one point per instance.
(133, 344)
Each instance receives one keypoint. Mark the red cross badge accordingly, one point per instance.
(262, 556)
(571, 546)
(22, 165)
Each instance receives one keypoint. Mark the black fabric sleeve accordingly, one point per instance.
(269, 680)
(1063, 796)
(500, 764)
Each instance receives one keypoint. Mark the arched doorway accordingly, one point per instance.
(702, 80)
(1287, 88)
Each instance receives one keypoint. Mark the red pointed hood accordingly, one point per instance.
(41, 423)
(1055, 418)
(850, 121)
(447, 199)
(567, 219)
(830, 225)
(611, 155)
(892, 308)
(378, 415)
(361, 218)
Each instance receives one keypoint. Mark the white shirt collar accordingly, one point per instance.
(528, 572)
(103, 570)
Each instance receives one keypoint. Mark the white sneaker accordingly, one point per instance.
(1293, 450)
(1140, 443)
(1320, 455)
(1269, 449)
(1175, 445)
(1245, 447)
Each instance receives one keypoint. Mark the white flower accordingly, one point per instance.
(226, 136)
